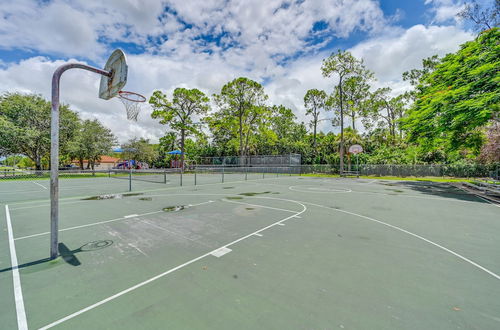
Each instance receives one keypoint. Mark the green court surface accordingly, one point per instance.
(283, 252)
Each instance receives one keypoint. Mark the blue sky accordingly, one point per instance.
(206, 43)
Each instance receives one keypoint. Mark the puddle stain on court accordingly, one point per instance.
(146, 198)
(174, 208)
(227, 187)
(249, 208)
(111, 196)
(234, 197)
(254, 193)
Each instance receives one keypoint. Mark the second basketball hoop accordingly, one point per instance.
(132, 102)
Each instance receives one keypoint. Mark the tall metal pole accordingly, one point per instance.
(54, 150)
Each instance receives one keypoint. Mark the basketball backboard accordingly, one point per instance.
(355, 149)
(117, 65)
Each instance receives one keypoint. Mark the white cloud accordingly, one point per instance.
(261, 34)
(389, 57)
(445, 10)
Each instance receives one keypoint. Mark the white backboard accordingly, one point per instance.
(117, 64)
(355, 149)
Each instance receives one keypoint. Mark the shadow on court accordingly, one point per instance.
(67, 256)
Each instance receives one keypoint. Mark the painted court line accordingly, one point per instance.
(414, 235)
(22, 324)
(39, 185)
(257, 234)
(154, 278)
(102, 222)
(87, 225)
(220, 252)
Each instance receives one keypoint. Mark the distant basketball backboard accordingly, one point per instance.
(117, 65)
(355, 149)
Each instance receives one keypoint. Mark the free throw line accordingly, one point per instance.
(154, 278)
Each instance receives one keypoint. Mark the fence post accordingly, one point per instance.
(165, 176)
(246, 173)
(223, 174)
(263, 169)
(109, 173)
(181, 179)
(195, 177)
(130, 179)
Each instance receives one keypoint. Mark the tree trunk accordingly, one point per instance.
(353, 118)
(241, 136)
(38, 162)
(183, 136)
(314, 134)
(341, 170)
(80, 160)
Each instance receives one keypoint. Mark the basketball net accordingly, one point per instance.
(132, 102)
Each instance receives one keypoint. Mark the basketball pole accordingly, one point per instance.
(54, 150)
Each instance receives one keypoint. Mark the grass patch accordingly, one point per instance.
(394, 178)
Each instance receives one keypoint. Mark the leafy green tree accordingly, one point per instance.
(315, 100)
(25, 126)
(139, 150)
(459, 96)
(241, 104)
(92, 140)
(386, 111)
(344, 65)
(357, 93)
(180, 113)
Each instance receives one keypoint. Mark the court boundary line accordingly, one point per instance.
(141, 284)
(47, 201)
(412, 234)
(39, 185)
(125, 217)
(22, 323)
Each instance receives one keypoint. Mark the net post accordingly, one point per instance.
(165, 176)
(195, 177)
(109, 173)
(180, 178)
(246, 173)
(223, 174)
(263, 170)
(130, 179)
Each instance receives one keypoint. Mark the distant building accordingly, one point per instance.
(105, 163)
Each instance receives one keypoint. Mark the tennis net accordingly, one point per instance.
(158, 176)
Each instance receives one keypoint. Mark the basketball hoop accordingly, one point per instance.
(132, 102)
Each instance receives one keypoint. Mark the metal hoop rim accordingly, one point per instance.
(125, 95)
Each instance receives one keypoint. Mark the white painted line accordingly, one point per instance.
(131, 215)
(154, 278)
(87, 225)
(281, 224)
(298, 217)
(257, 234)
(22, 324)
(257, 205)
(220, 252)
(414, 235)
(201, 203)
(39, 185)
